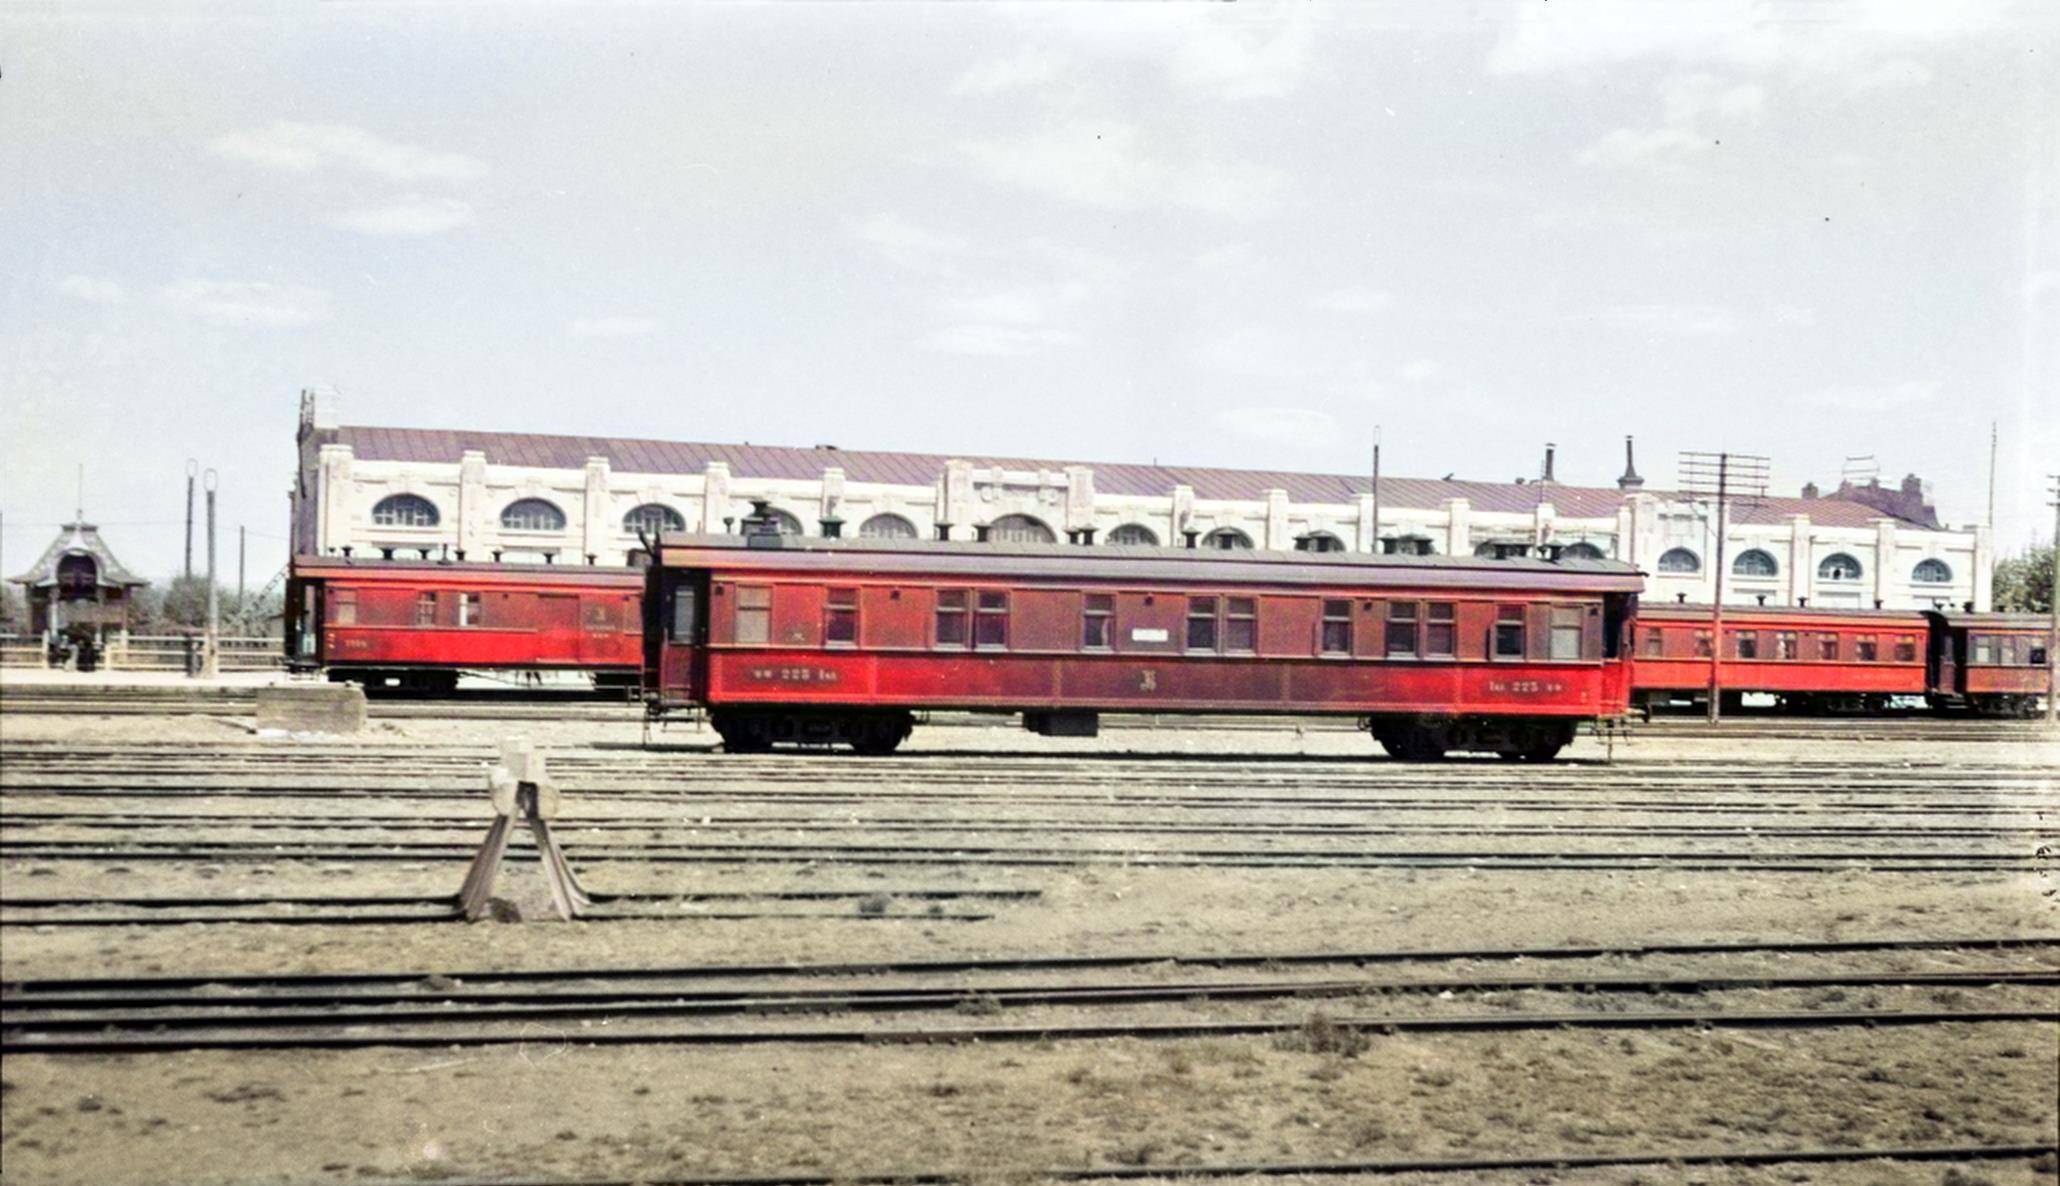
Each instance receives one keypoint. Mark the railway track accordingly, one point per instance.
(564, 705)
(1470, 1164)
(698, 1005)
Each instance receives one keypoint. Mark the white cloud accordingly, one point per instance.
(1357, 301)
(612, 327)
(1696, 110)
(304, 148)
(1033, 305)
(907, 244)
(1871, 399)
(1249, 58)
(1421, 370)
(93, 289)
(1796, 315)
(248, 303)
(1289, 426)
(1111, 165)
(979, 338)
(1679, 321)
(412, 215)
(1030, 67)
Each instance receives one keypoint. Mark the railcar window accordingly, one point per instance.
(1201, 623)
(1747, 644)
(1864, 648)
(1401, 641)
(840, 618)
(754, 614)
(1905, 649)
(1827, 647)
(472, 609)
(683, 613)
(1097, 621)
(991, 619)
(951, 617)
(1337, 627)
(345, 603)
(1785, 645)
(1655, 643)
(2038, 655)
(1240, 624)
(1702, 644)
(1440, 629)
(1509, 632)
(425, 609)
(600, 617)
(1984, 648)
(1566, 632)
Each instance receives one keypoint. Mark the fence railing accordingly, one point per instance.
(154, 652)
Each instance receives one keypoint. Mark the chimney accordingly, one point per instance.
(1809, 490)
(1630, 481)
(1549, 447)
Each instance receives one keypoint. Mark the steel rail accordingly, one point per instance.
(1034, 963)
(22, 1041)
(1473, 1164)
(278, 1011)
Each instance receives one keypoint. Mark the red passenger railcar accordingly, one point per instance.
(835, 640)
(1992, 663)
(416, 625)
(1845, 659)
(1809, 658)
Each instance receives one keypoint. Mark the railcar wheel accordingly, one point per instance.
(1413, 743)
(742, 734)
(880, 735)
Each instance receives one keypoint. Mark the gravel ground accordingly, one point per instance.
(1000, 1113)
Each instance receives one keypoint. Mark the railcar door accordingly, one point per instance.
(557, 629)
(677, 628)
(1946, 656)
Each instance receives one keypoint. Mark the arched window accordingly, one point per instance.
(1488, 550)
(1581, 551)
(1679, 560)
(1932, 572)
(1020, 529)
(1838, 566)
(1227, 539)
(783, 522)
(1319, 541)
(1134, 535)
(1754, 562)
(77, 576)
(886, 527)
(653, 519)
(532, 514)
(404, 510)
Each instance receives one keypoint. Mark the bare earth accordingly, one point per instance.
(557, 1106)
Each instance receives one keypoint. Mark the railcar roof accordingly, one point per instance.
(2039, 622)
(1072, 561)
(306, 566)
(1700, 611)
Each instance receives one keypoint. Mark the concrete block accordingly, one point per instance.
(311, 708)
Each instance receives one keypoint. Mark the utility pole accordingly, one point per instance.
(242, 610)
(1992, 482)
(2053, 595)
(1721, 476)
(1376, 490)
(210, 660)
(192, 468)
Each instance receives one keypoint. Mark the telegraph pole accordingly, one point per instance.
(192, 468)
(2053, 596)
(1376, 490)
(1722, 476)
(210, 660)
(242, 610)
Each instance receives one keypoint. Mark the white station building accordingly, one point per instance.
(526, 498)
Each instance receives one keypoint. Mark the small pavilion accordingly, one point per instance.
(79, 595)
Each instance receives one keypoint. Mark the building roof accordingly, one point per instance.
(77, 539)
(922, 469)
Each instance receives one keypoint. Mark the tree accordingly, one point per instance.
(14, 609)
(2024, 584)
(180, 604)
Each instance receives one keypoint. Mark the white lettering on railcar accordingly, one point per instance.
(793, 675)
(1148, 634)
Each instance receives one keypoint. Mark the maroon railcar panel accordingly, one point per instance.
(401, 616)
(1150, 630)
(1783, 650)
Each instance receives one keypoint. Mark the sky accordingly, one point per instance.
(1242, 235)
